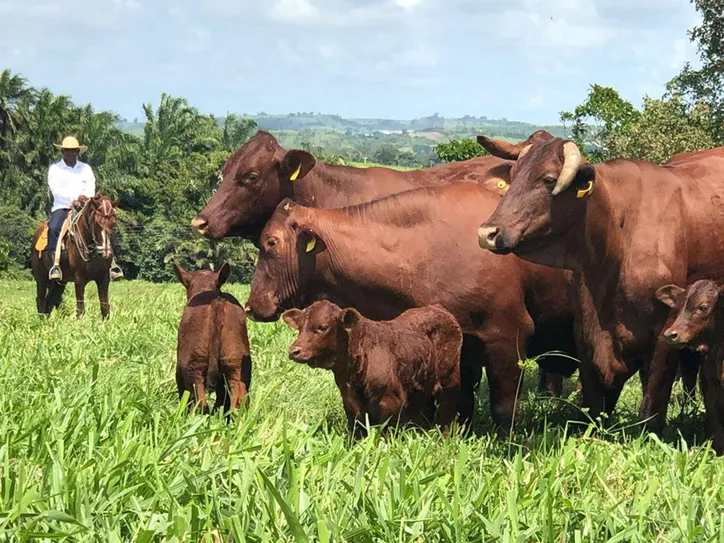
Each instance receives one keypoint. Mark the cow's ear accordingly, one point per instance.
(296, 164)
(293, 317)
(310, 242)
(350, 318)
(181, 274)
(223, 274)
(585, 181)
(669, 294)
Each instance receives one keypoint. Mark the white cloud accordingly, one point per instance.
(407, 4)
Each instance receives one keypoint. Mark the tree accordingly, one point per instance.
(13, 89)
(236, 131)
(459, 149)
(705, 86)
(592, 122)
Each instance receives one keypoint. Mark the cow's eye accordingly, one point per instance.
(702, 308)
(271, 243)
(322, 328)
(549, 181)
(253, 176)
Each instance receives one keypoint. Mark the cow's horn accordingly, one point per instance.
(571, 162)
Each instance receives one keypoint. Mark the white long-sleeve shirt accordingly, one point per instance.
(67, 184)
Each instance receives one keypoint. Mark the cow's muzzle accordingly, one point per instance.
(492, 239)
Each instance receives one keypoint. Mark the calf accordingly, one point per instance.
(396, 369)
(213, 347)
(699, 324)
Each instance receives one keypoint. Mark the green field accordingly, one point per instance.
(94, 447)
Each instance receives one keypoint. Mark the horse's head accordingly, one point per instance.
(102, 218)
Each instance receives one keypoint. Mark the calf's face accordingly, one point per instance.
(287, 258)
(695, 306)
(201, 280)
(323, 331)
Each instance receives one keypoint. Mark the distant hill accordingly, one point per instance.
(435, 124)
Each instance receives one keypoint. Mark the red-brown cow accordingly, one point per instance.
(624, 228)
(415, 249)
(261, 174)
(700, 324)
(392, 370)
(213, 346)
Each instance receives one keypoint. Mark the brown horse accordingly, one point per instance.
(87, 256)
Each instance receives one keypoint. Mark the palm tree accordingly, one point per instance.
(13, 89)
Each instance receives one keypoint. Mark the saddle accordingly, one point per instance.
(42, 243)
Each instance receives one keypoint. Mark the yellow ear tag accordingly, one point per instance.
(502, 184)
(583, 192)
(311, 245)
(294, 176)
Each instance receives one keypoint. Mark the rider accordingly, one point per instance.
(69, 179)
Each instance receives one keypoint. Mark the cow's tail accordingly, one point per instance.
(212, 373)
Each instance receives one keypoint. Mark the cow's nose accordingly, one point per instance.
(671, 336)
(199, 223)
(294, 352)
(488, 236)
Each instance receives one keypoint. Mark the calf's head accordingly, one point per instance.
(696, 307)
(201, 280)
(254, 179)
(549, 185)
(323, 333)
(288, 250)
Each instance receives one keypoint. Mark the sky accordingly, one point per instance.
(522, 60)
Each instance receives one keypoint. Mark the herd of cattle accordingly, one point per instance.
(407, 284)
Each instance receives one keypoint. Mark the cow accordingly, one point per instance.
(414, 249)
(395, 370)
(699, 323)
(212, 350)
(261, 173)
(624, 228)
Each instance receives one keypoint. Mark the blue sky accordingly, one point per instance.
(518, 59)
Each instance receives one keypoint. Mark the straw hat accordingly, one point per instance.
(69, 142)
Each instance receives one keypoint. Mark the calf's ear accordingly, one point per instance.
(296, 164)
(350, 318)
(183, 275)
(293, 317)
(669, 294)
(223, 274)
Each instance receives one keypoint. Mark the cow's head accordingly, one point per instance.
(323, 333)
(549, 189)
(255, 178)
(288, 249)
(200, 281)
(695, 309)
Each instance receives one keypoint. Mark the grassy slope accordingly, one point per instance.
(93, 444)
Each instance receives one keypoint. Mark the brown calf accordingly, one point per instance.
(213, 347)
(396, 369)
(700, 324)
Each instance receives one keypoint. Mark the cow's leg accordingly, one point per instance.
(661, 374)
(79, 296)
(103, 296)
(472, 356)
(689, 364)
(550, 384)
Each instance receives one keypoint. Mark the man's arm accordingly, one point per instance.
(89, 182)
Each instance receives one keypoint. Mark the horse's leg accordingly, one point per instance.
(79, 296)
(103, 295)
(41, 288)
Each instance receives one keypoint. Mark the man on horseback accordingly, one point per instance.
(69, 180)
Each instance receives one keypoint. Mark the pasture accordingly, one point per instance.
(94, 447)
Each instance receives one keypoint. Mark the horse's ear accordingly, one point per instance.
(115, 202)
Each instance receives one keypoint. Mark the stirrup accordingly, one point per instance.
(116, 273)
(55, 274)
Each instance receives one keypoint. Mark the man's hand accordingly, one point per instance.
(82, 198)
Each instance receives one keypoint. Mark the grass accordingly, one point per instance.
(94, 447)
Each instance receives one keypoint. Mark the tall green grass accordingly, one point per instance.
(95, 447)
